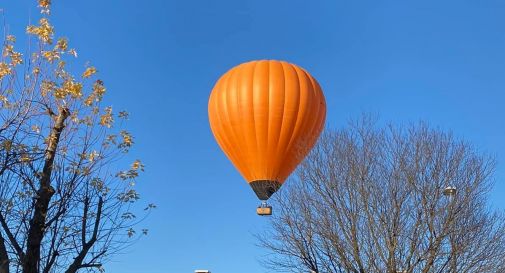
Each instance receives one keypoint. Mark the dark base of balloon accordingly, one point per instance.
(264, 188)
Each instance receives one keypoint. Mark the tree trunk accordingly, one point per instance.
(44, 194)
(4, 257)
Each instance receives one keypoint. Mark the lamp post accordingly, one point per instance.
(450, 192)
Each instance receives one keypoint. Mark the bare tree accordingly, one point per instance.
(63, 205)
(371, 199)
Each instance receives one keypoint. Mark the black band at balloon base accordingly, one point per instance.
(265, 188)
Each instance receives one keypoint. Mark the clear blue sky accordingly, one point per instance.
(439, 61)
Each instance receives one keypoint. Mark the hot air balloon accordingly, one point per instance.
(266, 116)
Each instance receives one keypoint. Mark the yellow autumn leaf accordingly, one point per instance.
(107, 119)
(44, 3)
(5, 70)
(89, 72)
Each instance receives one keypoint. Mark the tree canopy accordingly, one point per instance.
(65, 205)
(392, 199)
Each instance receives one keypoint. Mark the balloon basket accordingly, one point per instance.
(264, 209)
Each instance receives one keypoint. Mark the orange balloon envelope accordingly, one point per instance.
(266, 116)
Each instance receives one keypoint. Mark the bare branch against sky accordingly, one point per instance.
(370, 199)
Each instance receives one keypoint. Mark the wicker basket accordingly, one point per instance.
(264, 211)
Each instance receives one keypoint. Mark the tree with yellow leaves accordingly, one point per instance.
(63, 208)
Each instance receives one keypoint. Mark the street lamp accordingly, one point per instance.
(450, 191)
(202, 271)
